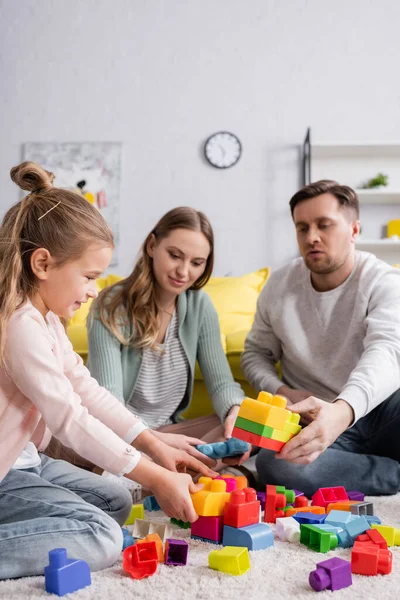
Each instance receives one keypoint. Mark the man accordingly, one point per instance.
(332, 319)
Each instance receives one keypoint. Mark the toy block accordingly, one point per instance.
(242, 509)
(287, 529)
(253, 537)
(289, 494)
(356, 495)
(253, 427)
(344, 539)
(241, 480)
(292, 426)
(274, 504)
(362, 509)
(154, 537)
(176, 552)
(280, 436)
(317, 539)
(234, 561)
(127, 539)
(261, 499)
(140, 560)
(298, 493)
(137, 512)
(150, 503)
(370, 559)
(64, 575)
(345, 505)
(207, 540)
(373, 519)
(208, 528)
(180, 524)
(325, 496)
(232, 447)
(333, 574)
(372, 536)
(317, 510)
(307, 518)
(257, 440)
(143, 528)
(266, 410)
(230, 483)
(300, 501)
(391, 535)
(357, 525)
(211, 500)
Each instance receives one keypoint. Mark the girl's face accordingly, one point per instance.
(179, 259)
(63, 289)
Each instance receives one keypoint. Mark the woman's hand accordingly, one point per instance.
(179, 460)
(228, 427)
(186, 443)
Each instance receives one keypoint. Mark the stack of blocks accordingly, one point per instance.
(266, 422)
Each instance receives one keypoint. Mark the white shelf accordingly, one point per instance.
(332, 150)
(387, 242)
(378, 196)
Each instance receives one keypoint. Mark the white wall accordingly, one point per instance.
(162, 75)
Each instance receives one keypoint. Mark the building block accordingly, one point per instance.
(140, 560)
(317, 510)
(298, 493)
(289, 494)
(274, 504)
(180, 524)
(280, 436)
(206, 540)
(344, 539)
(357, 526)
(176, 552)
(370, 555)
(362, 509)
(253, 427)
(372, 536)
(232, 560)
(154, 537)
(232, 447)
(391, 535)
(261, 499)
(253, 537)
(142, 528)
(318, 539)
(287, 529)
(344, 505)
(211, 500)
(241, 480)
(230, 483)
(307, 518)
(356, 495)
(257, 440)
(208, 528)
(373, 519)
(267, 410)
(128, 540)
(242, 509)
(150, 503)
(300, 501)
(332, 574)
(137, 512)
(64, 575)
(325, 496)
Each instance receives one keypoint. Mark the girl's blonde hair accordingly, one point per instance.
(48, 217)
(130, 305)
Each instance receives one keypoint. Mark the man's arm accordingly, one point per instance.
(262, 349)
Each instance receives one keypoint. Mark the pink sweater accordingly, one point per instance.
(46, 389)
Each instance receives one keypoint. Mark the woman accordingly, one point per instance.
(147, 331)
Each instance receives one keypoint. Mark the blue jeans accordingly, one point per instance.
(59, 505)
(365, 458)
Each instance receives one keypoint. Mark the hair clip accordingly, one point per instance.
(50, 209)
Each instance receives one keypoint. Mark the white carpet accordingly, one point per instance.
(278, 573)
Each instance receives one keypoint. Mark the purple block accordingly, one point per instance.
(355, 495)
(209, 528)
(261, 499)
(298, 493)
(332, 574)
(176, 552)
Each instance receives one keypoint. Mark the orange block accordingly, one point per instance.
(154, 537)
(345, 505)
(317, 510)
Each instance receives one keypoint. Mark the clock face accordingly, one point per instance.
(222, 149)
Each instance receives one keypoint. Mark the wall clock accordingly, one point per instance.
(222, 149)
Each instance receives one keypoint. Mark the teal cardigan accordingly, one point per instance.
(116, 366)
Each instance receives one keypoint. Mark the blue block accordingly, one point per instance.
(309, 518)
(253, 537)
(344, 539)
(232, 447)
(357, 526)
(150, 503)
(339, 518)
(64, 575)
(128, 539)
(373, 519)
(197, 537)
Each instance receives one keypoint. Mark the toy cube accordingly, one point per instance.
(232, 560)
(180, 524)
(391, 535)
(356, 495)
(127, 539)
(242, 509)
(154, 537)
(274, 504)
(211, 500)
(137, 512)
(231, 483)
(176, 552)
(333, 574)
(140, 560)
(288, 529)
(150, 503)
(370, 559)
(318, 539)
(261, 498)
(208, 529)
(325, 496)
(64, 575)
(253, 537)
(307, 518)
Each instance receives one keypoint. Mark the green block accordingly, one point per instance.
(181, 524)
(317, 539)
(254, 427)
(290, 495)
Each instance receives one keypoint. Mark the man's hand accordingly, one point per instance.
(295, 396)
(328, 421)
(229, 424)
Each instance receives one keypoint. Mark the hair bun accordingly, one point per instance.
(32, 177)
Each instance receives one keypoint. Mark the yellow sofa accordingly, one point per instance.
(235, 300)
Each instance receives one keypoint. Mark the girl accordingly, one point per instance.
(53, 246)
(146, 332)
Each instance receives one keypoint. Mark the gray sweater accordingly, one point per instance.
(344, 343)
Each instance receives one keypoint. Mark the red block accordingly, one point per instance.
(209, 528)
(325, 496)
(372, 537)
(300, 502)
(257, 440)
(274, 504)
(140, 560)
(242, 509)
(367, 558)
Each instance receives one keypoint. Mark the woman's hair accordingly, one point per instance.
(131, 303)
(48, 217)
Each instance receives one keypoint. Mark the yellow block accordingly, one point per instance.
(291, 428)
(280, 436)
(391, 535)
(211, 500)
(393, 228)
(261, 412)
(137, 512)
(231, 559)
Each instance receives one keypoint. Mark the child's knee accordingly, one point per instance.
(109, 540)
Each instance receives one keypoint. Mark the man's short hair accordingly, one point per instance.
(344, 194)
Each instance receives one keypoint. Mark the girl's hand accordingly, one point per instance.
(172, 492)
(188, 444)
(178, 460)
(228, 426)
